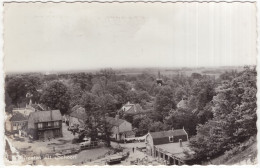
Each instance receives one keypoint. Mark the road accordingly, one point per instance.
(134, 155)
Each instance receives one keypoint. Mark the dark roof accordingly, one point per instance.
(45, 116)
(178, 132)
(18, 117)
(163, 136)
(114, 122)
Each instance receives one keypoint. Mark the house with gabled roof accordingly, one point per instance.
(183, 104)
(131, 109)
(29, 108)
(121, 129)
(16, 122)
(45, 124)
(170, 146)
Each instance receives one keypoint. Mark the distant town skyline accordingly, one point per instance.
(46, 37)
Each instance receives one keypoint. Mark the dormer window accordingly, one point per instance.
(171, 138)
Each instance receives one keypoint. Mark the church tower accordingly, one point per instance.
(159, 80)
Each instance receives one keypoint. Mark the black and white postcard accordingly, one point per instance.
(130, 83)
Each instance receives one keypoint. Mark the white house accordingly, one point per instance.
(121, 129)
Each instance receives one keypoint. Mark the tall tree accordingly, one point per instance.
(56, 96)
(16, 89)
(182, 118)
(164, 102)
(83, 80)
(234, 116)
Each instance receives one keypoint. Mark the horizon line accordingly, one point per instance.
(118, 68)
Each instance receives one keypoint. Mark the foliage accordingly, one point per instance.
(88, 101)
(145, 125)
(18, 86)
(157, 126)
(220, 113)
(234, 116)
(56, 96)
(182, 118)
(83, 80)
(164, 102)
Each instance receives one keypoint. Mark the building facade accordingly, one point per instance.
(45, 124)
(16, 122)
(170, 146)
(121, 129)
(131, 109)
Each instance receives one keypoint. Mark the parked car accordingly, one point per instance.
(85, 143)
(114, 160)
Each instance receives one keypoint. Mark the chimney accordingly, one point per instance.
(117, 117)
(180, 140)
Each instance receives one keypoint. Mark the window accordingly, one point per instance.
(39, 125)
(56, 123)
(49, 124)
(171, 139)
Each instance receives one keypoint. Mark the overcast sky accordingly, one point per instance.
(78, 36)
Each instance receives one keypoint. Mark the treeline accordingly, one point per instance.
(234, 116)
(218, 113)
